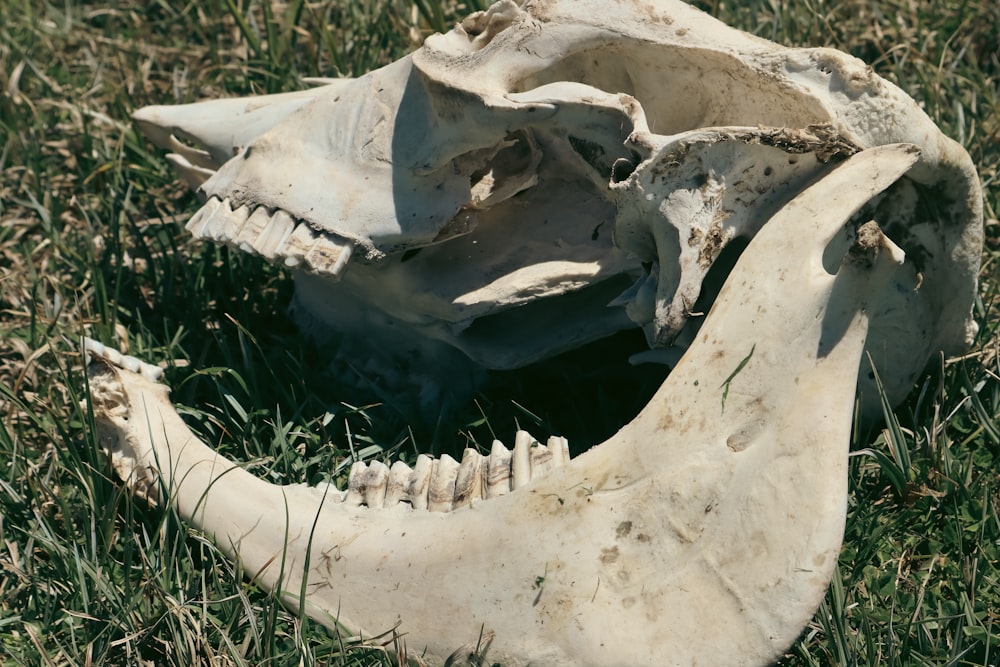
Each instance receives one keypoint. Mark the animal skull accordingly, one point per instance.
(548, 124)
(496, 190)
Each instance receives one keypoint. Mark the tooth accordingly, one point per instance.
(246, 239)
(320, 252)
(541, 460)
(226, 223)
(356, 484)
(113, 356)
(498, 471)
(196, 225)
(520, 467)
(271, 235)
(399, 478)
(559, 446)
(233, 226)
(93, 348)
(296, 248)
(420, 482)
(217, 221)
(469, 482)
(441, 495)
(277, 230)
(330, 255)
(375, 482)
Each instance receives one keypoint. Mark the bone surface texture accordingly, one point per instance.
(708, 526)
(483, 200)
(543, 175)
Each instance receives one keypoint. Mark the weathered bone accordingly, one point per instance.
(681, 537)
(558, 124)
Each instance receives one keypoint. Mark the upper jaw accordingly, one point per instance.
(369, 182)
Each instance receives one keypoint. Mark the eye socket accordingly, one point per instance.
(621, 170)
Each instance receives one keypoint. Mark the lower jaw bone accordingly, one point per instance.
(707, 527)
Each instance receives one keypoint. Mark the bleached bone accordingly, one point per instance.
(479, 182)
(443, 485)
(708, 526)
(274, 235)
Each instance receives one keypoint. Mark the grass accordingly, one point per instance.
(92, 243)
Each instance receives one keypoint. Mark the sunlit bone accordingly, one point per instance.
(464, 198)
(708, 526)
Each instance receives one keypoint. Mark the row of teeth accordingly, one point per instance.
(444, 484)
(92, 348)
(274, 235)
(437, 485)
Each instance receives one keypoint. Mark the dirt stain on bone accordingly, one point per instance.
(623, 529)
(609, 555)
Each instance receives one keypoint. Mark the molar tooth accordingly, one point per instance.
(395, 489)
(442, 485)
(559, 446)
(296, 248)
(375, 481)
(356, 484)
(255, 225)
(520, 468)
(196, 225)
(541, 460)
(215, 224)
(274, 235)
(330, 255)
(498, 471)
(469, 482)
(441, 495)
(231, 225)
(420, 482)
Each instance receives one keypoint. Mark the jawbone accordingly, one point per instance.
(707, 527)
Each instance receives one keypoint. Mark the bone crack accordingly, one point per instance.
(275, 235)
(445, 485)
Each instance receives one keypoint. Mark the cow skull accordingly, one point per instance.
(463, 197)
(496, 190)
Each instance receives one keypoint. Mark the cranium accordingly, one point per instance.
(470, 194)
(551, 125)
